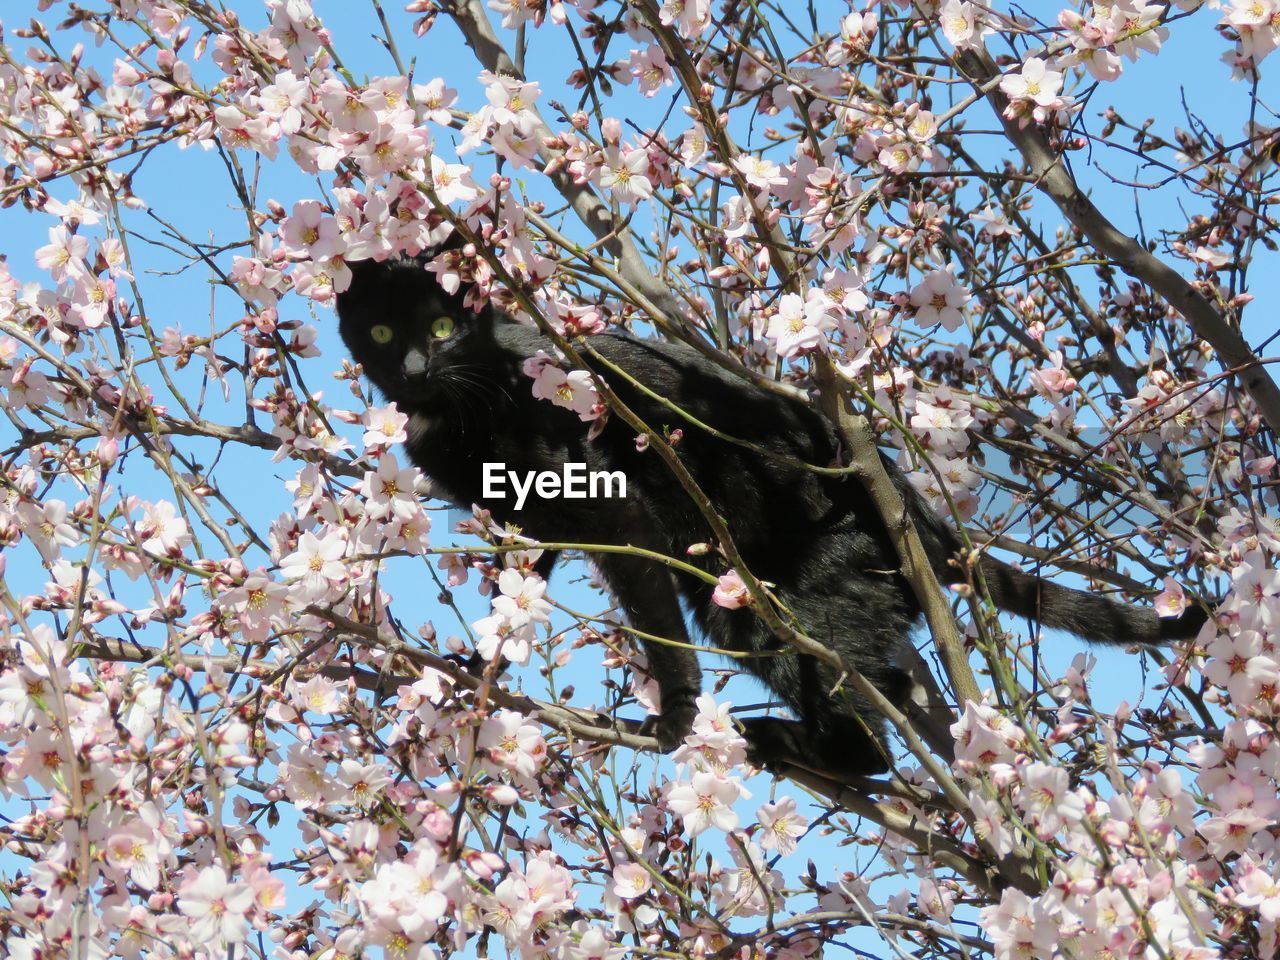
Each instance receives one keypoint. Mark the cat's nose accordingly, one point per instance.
(415, 363)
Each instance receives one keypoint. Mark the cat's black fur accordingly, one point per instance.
(818, 539)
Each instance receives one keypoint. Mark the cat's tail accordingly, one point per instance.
(1087, 615)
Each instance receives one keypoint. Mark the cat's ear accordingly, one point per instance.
(454, 242)
(366, 276)
(364, 270)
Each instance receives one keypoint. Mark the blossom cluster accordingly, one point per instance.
(244, 713)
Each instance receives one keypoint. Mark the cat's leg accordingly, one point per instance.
(647, 593)
(773, 742)
(837, 730)
(843, 736)
(848, 720)
(544, 564)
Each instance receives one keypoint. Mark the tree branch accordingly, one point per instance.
(1056, 182)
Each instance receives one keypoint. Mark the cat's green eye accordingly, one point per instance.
(441, 327)
(382, 334)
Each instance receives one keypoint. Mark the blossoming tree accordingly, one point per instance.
(230, 724)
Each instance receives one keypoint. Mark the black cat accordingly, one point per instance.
(817, 538)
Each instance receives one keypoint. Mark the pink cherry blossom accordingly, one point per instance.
(705, 801)
(574, 390)
(962, 23)
(940, 298)
(217, 907)
(434, 99)
(317, 563)
(631, 880)
(511, 742)
(690, 17)
(1035, 90)
(63, 255)
(759, 172)
(309, 232)
(498, 637)
(521, 598)
(385, 426)
(800, 325)
(731, 592)
(452, 181)
(133, 848)
(624, 174)
(1171, 602)
(993, 223)
(780, 825)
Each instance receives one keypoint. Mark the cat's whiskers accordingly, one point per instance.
(475, 376)
(459, 389)
(472, 383)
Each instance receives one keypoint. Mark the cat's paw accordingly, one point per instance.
(672, 726)
(773, 742)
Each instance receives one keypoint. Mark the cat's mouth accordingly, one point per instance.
(462, 386)
(417, 391)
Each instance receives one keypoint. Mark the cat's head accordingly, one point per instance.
(406, 330)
